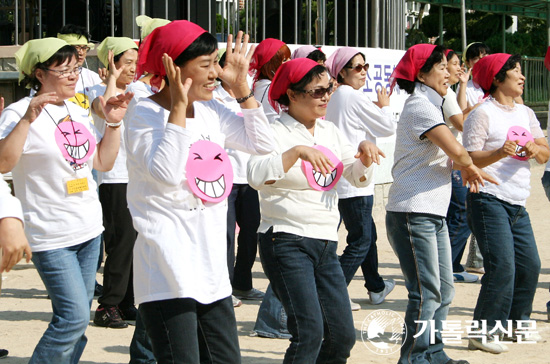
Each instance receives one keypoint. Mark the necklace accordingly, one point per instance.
(58, 128)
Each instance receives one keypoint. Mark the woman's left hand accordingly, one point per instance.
(369, 153)
(383, 98)
(531, 149)
(475, 177)
(115, 107)
(237, 61)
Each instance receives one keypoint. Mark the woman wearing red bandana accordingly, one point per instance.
(418, 200)
(501, 136)
(298, 230)
(179, 209)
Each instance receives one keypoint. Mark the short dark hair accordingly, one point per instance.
(434, 58)
(317, 55)
(476, 50)
(501, 75)
(300, 85)
(75, 29)
(204, 45)
(451, 54)
(347, 65)
(62, 55)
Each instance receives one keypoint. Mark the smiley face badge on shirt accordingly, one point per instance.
(76, 142)
(316, 179)
(521, 136)
(209, 171)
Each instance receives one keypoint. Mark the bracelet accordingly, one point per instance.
(240, 100)
(113, 125)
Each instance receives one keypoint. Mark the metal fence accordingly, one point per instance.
(537, 78)
(370, 23)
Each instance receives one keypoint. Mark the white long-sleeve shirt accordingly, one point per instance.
(181, 247)
(290, 204)
(358, 118)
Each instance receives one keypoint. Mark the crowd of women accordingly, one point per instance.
(170, 148)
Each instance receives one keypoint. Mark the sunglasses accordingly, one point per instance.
(360, 67)
(320, 92)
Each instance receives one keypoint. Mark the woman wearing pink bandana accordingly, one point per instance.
(179, 179)
(501, 136)
(418, 200)
(298, 230)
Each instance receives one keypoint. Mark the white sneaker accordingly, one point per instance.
(354, 306)
(464, 277)
(378, 298)
(491, 345)
(236, 302)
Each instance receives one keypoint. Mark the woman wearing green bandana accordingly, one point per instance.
(51, 146)
(116, 304)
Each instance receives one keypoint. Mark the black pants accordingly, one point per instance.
(242, 207)
(119, 238)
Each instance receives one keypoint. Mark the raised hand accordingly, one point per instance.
(38, 103)
(369, 153)
(115, 107)
(113, 71)
(103, 74)
(237, 60)
(383, 98)
(178, 90)
(464, 76)
(1, 105)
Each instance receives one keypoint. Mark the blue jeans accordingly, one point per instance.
(306, 276)
(361, 249)
(546, 183)
(271, 321)
(141, 350)
(421, 243)
(183, 330)
(510, 258)
(457, 223)
(243, 208)
(69, 277)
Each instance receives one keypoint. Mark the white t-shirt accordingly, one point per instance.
(451, 108)
(53, 218)
(358, 118)
(9, 205)
(87, 78)
(119, 172)
(290, 204)
(181, 248)
(421, 170)
(140, 90)
(261, 93)
(238, 159)
(486, 129)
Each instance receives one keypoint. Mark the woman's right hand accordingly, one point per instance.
(178, 90)
(319, 161)
(37, 104)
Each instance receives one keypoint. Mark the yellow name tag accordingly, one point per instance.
(77, 185)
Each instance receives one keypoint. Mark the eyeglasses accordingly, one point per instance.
(65, 73)
(81, 48)
(360, 67)
(319, 92)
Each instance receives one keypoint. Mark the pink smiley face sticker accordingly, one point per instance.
(209, 171)
(75, 141)
(316, 179)
(521, 136)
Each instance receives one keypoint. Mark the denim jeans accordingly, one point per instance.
(457, 223)
(243, 208)
(69, 277)
(356, 212)
(183, 330)
(510, 259)
(306, 276)
(421, 243)
(141, 350)
(271, 321)
(546, 183)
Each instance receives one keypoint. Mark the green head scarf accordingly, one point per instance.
(36, 51)
(116, 44)
(148, 24)
(75, 39)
